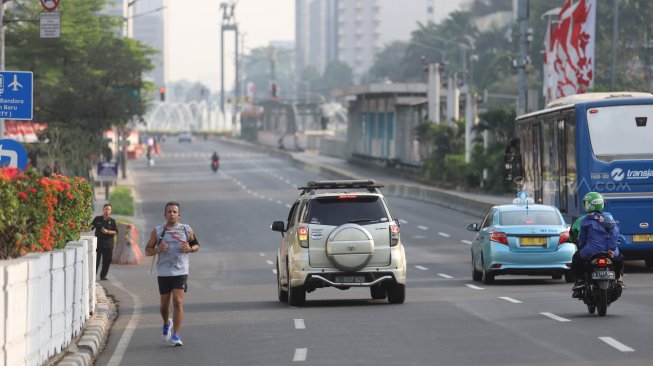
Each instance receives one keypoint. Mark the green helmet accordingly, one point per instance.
(593, 201)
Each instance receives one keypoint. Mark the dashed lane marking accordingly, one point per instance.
(444, 234)
(444, 275)
(422, 227)
(403, 221)
(555, 317)
(262, 254)
(466, 242)
(300, 355)
(299, 324)
(474, 286)
(514, 301)
(422, 268)
(269, 262)
(616, 344)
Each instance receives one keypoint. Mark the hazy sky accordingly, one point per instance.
(194, 35)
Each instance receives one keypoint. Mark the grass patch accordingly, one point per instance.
(122, 201)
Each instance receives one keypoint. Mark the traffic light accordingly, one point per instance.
(162, 94)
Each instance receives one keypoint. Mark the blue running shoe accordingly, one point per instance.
(176, 341)
(167, 331)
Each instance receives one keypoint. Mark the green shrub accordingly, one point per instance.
(122, 201)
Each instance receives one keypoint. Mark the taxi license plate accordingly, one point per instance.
(350, 279)
(638, 238)
(603, 275)
(532, 241)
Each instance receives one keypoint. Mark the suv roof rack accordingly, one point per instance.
(338, 184)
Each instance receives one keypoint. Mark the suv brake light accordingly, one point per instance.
(302, 235)
(394, 235)
(499, 237)
(347, 196)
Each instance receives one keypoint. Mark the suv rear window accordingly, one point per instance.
(348, 208)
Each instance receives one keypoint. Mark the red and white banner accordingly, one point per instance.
(569, 50)
(23, 131)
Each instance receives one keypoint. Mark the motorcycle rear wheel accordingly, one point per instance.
(602, 302)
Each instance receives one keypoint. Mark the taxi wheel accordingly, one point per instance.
(476, 275)
(569, 277)
(486, 277)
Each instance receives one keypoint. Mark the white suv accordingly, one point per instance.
(340, 234)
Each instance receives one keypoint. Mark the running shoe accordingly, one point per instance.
(176, 341)
(167, 331)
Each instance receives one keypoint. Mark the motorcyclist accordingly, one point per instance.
(595, 232)
(215, 160)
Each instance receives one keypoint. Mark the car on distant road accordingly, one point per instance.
(521, 239)
(340, 234)
(185, 136)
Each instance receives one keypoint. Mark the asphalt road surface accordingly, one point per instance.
(232, 315)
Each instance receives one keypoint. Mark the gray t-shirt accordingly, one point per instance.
(172, 262)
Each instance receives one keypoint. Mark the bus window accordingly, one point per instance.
(621, 132)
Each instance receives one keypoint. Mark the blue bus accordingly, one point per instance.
(600, 142)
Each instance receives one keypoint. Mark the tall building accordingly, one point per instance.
(355, 31)
(148, 25)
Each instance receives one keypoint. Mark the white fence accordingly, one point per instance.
(45, 300)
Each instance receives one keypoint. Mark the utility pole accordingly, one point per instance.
(228, 24)
(615, 30)
(522, 17)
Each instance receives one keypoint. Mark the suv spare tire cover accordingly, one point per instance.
(350, 247)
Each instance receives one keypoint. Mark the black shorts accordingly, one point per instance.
(166, 284)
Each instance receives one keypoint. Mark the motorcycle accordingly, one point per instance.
(601, 287)
(215, 164)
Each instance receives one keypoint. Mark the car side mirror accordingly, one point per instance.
(472, 227)
(278, 226)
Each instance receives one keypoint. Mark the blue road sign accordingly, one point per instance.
(107, 171)
(16, 95)
(12, 154)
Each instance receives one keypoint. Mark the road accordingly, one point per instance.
(232, 315)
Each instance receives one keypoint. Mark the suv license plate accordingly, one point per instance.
(603, 275)
(350, 279)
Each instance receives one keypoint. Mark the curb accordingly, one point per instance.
(84, 350)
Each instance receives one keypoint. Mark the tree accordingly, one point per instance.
(337, 75)
(385, 65)
(88, 80)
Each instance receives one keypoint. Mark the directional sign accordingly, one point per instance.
(16, 95)
(107, 171)
(12, 154)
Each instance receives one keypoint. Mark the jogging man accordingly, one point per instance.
(173, 242)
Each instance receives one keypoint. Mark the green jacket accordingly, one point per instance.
(575, 230)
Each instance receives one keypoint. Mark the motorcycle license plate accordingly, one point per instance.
(603, 275)
(350, 279)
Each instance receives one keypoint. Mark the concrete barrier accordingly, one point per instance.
(45, 302)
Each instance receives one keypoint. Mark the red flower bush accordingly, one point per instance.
(41, 213)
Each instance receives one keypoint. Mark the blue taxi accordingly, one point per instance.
(522, 238)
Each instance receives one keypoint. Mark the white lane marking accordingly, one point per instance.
(121, 348)
(299, 324)
(271, 199)
(422, 227)
(288, 205)
(616, 344)
(418, 237)
(444, 275)
(300, 354)
(514, 301)
(274, 271)
(466, 242)
(422, 268)
(444, 234)
(269, 262)
(555, 317)
(474, 286)
(262, 254)
(403, 221)
(279, 202)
